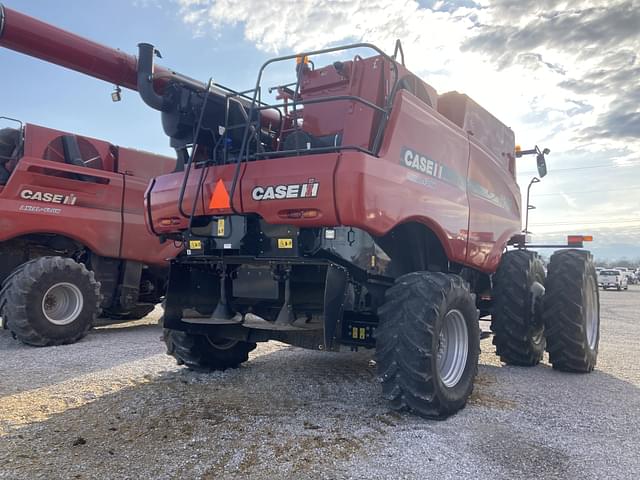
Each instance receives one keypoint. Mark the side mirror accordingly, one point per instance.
(542, 164)
(540, 160)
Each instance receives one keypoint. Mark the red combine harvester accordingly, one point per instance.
(73, 241)
(357, 209)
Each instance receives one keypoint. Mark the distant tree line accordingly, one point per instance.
(624, 262)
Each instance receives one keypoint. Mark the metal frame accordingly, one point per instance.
(256, 98)
(252, 124)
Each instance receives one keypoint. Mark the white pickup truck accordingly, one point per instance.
(613, 279)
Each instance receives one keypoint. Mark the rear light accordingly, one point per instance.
(168, 222)
(299, 213)
(577, 240)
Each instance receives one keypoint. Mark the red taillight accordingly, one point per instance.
(168, 222)
(299, 213)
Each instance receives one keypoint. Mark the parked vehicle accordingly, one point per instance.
(613, 279)
(73, 244)
(632, 277)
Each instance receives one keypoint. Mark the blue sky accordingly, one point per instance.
(38, 92)
(564, 74)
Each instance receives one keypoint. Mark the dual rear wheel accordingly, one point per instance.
(562, 317)
(427, 342)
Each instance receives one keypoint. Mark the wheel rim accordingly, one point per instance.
(453, 348)
(62, 303)
(591, 313)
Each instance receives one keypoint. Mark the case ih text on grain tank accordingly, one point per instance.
(73, 243)
(358, 208)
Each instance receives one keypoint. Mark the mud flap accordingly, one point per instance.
(190, 286)
(335, 296)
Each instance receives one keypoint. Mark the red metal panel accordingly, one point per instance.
(265, 173)
(94, 219)
(377, 194)
(494, 199)
(96, 216)
(137, 242)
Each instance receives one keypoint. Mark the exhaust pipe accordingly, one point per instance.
(146, 51)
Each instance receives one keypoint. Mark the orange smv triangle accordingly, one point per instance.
(219, 197)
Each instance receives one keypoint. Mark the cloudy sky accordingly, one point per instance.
(563, 74)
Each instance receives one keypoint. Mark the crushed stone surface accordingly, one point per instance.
(114, 406)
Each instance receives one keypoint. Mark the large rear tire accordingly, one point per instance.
(50, 301)
(572, 311)
(516, 319)
(202, 354)
(427, 344)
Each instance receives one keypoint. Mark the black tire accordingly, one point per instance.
(199, 353)
(22, 301)
(516, 318)
(572, 311)
(408, 340)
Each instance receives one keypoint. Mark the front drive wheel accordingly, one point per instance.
(572, 311)
(50, 301)
(427, 344)
(203, 354)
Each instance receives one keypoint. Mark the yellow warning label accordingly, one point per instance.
(221, 227)
(362, 333)
(354, 332)
(285, 243)
(195, 244)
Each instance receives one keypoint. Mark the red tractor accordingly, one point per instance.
(73, 241)
(357, 208)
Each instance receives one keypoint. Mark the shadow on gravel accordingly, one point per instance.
(104, 348)
(300, 414)
(280, 412)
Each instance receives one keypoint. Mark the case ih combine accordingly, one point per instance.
(358, 209)
(73, 243)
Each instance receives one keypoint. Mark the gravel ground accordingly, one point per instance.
(114, 406)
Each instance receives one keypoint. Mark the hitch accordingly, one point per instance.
(223, 310)
(286, 316)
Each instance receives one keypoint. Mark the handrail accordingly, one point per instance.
(385, 111)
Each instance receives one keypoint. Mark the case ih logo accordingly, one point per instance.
(420, 163)
(279, 192)
(48, 197)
